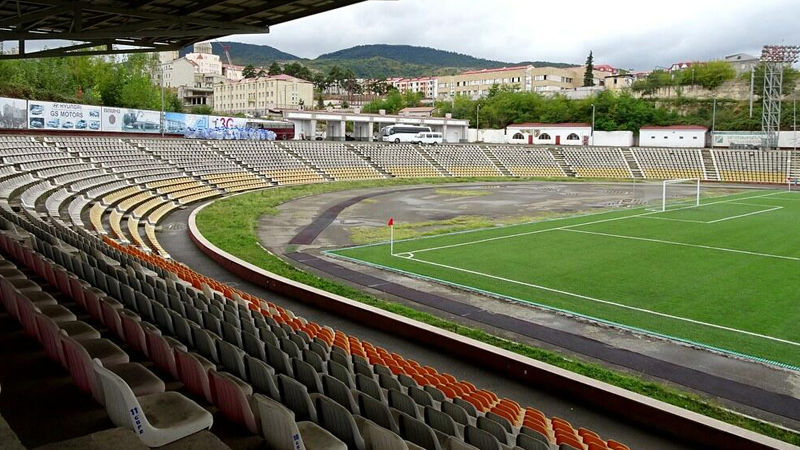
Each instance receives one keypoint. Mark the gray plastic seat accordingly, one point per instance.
(422, 397)
(253, 346)
(494, 428)
(279, 360)
(231, 334)
(339, 392)
(458, 413)
(205, 342)
(369, 386)
(417, 432)
(262, 377)
(163, 319)
(440, 421)
(319, 349)
(290, 348)
(267, 336)
(526, 442)
(501, 420)
(389, 382)
(232, 358)
(403, 403)
(315, 360)
(435, 393)
(376, 411)
(406, 380)
(341, 373)
(481, 439)
(295, 396)
(534, 434)
(362, 369)
(281, 432)
(467, 406)
(306, 374)
(335, 418)
(182, 330)
(212, 323)
(377, 437)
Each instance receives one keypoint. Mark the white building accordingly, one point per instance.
(550, 133)
(673, 136)
(259, 95)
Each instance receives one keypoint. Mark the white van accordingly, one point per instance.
(429, 138)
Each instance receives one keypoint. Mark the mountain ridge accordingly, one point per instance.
(372, 60)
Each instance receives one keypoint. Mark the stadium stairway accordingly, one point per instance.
(432, 161)
(308, 163)
(710, 169)
(633, 164)
(558, 156)
(369, 161)
(493, 158)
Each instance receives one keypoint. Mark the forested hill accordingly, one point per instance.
(372, 61)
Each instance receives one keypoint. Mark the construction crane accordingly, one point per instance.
(226, 49)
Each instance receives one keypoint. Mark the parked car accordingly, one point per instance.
(430, 138)
(37, 122)
(37, 110)
(53, 123)
(80, 125)
(94, 125)
(68, 125)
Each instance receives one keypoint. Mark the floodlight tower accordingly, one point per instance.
(774, 58)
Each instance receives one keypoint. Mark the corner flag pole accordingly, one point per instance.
(391, 236)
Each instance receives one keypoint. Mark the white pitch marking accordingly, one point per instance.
(528, 233)
(606, 302)
(746, 215)
(672, 220)
(683, 244)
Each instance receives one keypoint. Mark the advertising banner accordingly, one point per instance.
(226, 122)
(63, 116)
(13, 113)
(141, 121)
(112, 119)
(738, 139)
(177, 123)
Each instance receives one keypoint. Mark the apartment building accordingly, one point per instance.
(259, 95)
(428, 86)
(476, 83)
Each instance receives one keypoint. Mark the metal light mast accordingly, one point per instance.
(774, 58)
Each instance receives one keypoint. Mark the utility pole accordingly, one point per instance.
(593, 109)
(478, 124)
(713, 121)
(752, 84)
(163, 116)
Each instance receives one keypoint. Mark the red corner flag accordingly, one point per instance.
(391, 222)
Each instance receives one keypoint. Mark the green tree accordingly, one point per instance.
(588, 76)
(275, 69)
(249, 71)
(713, 74)
(203, 109)
(298, 70)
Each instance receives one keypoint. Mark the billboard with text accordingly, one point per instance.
(63, 116)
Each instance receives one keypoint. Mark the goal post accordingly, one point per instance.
(673, 194)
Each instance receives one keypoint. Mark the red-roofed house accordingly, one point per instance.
(550, 133)
(693, 136)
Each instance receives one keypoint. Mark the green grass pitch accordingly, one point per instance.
(725, 275)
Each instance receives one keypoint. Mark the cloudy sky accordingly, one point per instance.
(634, 35)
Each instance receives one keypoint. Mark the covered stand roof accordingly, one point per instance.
(119, 26)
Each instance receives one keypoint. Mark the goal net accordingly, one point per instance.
(670, 194)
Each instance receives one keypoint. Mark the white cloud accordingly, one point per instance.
(637, 35)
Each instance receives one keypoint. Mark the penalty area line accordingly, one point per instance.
(607, 302)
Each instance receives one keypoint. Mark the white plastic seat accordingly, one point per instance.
(157, 419)
(282, 432)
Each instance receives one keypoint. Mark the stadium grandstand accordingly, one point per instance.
(105, 326)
